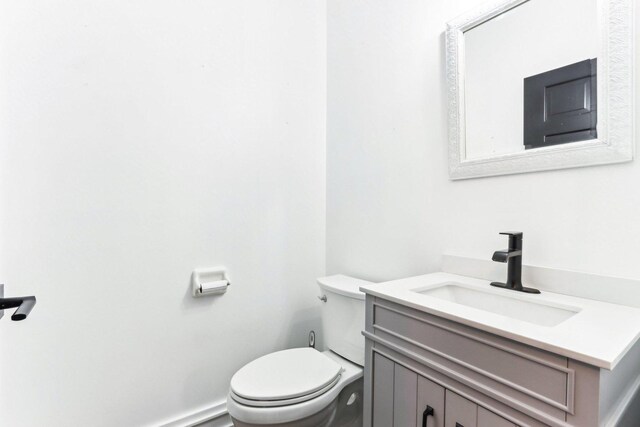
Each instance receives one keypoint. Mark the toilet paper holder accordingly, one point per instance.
(209, 281)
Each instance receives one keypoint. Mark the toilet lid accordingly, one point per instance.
(286, 374)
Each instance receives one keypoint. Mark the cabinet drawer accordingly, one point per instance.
(493, 365)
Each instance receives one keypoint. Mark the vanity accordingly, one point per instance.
(445, 350)
(531, 86)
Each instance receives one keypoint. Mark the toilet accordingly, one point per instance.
(304, 387)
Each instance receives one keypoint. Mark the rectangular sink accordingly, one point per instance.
(525, 310)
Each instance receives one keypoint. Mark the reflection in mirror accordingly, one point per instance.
(530, 78)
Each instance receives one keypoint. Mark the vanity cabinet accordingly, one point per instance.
(402, 398)
(469, 377)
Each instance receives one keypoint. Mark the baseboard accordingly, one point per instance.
(212, 416)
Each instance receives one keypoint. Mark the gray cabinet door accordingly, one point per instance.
(430, 395)
(405, 386)
(460, 412)
(383, 373)
(401, 397)
(487, 418)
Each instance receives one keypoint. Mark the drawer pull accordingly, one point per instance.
(425, 414)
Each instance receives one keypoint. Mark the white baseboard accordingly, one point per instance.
(212, 416)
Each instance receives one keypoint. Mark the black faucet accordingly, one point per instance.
(513, 258)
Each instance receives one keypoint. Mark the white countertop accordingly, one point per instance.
(599, 334)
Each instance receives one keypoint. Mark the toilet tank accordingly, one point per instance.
(343, 316)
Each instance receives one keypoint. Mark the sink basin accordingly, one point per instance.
(513, 306)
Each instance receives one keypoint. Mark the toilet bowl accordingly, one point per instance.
(296, 403)
(304, 387)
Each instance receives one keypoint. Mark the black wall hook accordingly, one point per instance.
(24, 304)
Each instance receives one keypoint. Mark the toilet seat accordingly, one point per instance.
(283, 402)
(284, 413)
(284, 378)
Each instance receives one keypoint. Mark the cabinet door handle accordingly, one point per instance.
(459, 425)
(425, 414)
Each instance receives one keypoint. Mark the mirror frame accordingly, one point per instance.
(615, 142)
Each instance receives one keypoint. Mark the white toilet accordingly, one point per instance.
(303, 387)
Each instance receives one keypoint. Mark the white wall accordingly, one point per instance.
(392, 210)
(138, 141)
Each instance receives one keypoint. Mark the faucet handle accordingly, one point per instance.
(515, 239)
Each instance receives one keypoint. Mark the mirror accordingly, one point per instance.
(534, 38)
(536, 85)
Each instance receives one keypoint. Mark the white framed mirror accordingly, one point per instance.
(540, 84)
